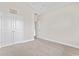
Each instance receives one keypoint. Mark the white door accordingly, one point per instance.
(3, 28)
(6, 29)
(0, 29)
(11, 29)
(18, 29)
(14, 29)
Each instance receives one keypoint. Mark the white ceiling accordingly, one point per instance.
(41, 7)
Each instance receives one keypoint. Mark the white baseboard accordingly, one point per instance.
(62, 43)
(13, 43)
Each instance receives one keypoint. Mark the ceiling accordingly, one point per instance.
(42, 7)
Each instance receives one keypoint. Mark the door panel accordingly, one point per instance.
(6, 29)
(9, 28)
(0, 30)
(19, 29)
(3, 34)
(6, 35)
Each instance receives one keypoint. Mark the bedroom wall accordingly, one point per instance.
(61, 26)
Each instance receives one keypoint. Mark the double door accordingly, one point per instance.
(11, 29)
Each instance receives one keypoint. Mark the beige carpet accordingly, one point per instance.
(38, 47)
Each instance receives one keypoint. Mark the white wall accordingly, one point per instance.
(61, 25)
(23, 10)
